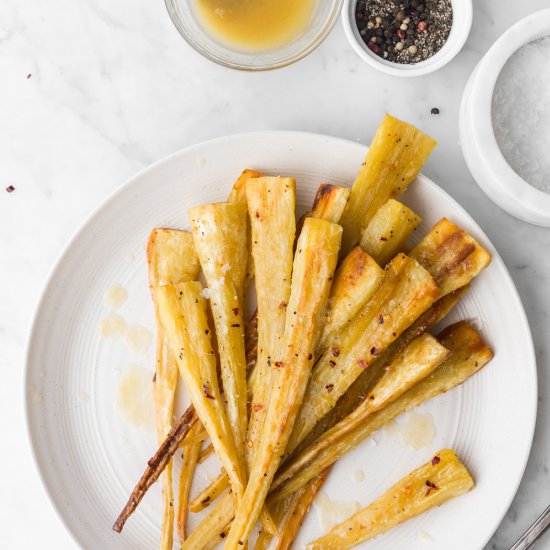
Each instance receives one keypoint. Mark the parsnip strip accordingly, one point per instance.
(329, 203)
(210, 493)
(271, 203)
(171, 257)
(386, 233)
(183, 315)
(356, 280)
(313, 270)
(468, 355)
(396, 156)
(220, 236)
(405, 293)
(190, 456)
(451, 255)
(442, 478)
(238, 194)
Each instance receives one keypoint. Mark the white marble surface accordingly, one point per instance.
(114, 88)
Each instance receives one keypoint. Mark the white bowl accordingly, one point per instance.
(462, 23)
(479, 145)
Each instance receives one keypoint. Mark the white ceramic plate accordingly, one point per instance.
(90, 458)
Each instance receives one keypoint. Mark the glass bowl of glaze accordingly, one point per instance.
(226, 38)
(485, 157)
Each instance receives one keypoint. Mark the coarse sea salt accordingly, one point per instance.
(521, 113)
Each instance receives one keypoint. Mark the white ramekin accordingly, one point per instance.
(479, 145)
(462, 23)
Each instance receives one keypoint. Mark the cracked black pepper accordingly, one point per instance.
(406, 31)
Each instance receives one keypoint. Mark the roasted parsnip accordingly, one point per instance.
(396, 156)
(355, 282)
(271, 204)
(190, 456)
(330, 202)
(386, 233)
(238, 194)
(210, 493)
(405, 293)
(442, 478)
(313, 269)
(220, 236)
(183, 316)
(468, 355)
(171, 258)
(451, 255)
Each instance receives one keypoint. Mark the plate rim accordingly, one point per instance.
(220, 141)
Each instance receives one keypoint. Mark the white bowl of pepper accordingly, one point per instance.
(407, 37)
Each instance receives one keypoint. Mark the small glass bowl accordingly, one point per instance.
(186, 20)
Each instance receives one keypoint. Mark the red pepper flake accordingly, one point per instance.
(331, 363)
(236, 310)
(310, 357)
(335, 352)
(257, 214)
(383, 239)
(373, 351)
(431, 487)
(10, 188)
(279, 364)
(363, 364)
(435, 460)
(257, 407)
(206, 391)
(205, 501)
(28, 76)
(282, 305)
(329, 387)
(381, 320)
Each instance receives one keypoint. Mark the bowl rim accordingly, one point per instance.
(171, 7)
(481, 151)
(460, 30)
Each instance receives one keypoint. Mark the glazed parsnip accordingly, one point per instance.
(220, 236)
(330, 202)
(190, 456)
(238, 194)
(405, 293)
(313, 270)
(386, 233)
(271, 204)
(396, 156)
(295, 509)
(183, 316)
(419, 358)
(210, 493)
(171, 258)
(451, 255)
(469, 353)
(355, 282)
(442, 478)
(211, 529)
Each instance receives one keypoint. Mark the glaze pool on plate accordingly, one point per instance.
(90, 459)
